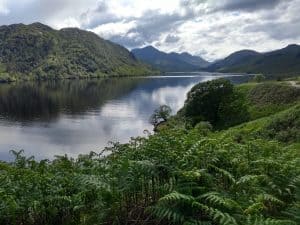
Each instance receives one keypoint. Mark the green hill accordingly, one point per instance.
(37, 51)
(282, 62)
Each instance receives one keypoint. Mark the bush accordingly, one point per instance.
(259, 78)
(203, 128)
(286, 127)
(160, 115)
(216, 102)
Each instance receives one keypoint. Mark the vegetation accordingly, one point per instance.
(217, 102)
(279, 63)
(259, 78)
(246, 175)
(266, 98)
(160, 115)
(37, 51)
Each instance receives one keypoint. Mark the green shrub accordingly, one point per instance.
(286, 127)
(216, 102)
(259, 78)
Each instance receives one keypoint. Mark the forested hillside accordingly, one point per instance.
(235, 160)
(37, 51)
(279, 63)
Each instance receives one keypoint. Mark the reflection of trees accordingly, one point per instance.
(44, 101)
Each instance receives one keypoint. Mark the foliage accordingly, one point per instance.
(267, 98)
(280, 63)
(217, 102)
(259, 78)
(161, 114)
(36, 51)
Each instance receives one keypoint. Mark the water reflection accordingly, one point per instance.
(73, 117)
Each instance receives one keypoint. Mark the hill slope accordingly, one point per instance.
(169, 62)
(284, 61)
(38, 51)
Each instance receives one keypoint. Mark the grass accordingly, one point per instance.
(266, 98)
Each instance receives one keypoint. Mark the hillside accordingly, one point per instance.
(246, 174)
(169, 62)
(282, 62)
(37, 51)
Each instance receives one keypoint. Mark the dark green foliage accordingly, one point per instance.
(266, 98)
(273, 93)
(285, 128)
(160, 115)
(37, 51)
(259, 78)
(217, 102)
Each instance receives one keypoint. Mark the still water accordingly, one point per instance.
(75, 117)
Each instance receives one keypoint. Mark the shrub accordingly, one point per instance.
(160, 115)
(216, 102)
(259, 78)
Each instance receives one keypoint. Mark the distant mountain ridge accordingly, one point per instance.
(282, 62)
(169, 62)
(37, 51)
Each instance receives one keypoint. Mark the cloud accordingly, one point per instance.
(171, 38)
(3, 8)
(246, 5)
(212, 29)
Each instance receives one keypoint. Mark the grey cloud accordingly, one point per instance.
(277, 30)
(280, 24)
(171, 38)
(223, 21)
(248, 5)
(41, 10)
(98, 15)
(230, 5)
(129, 42)
(149, 27)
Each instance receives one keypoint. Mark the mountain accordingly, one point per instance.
(169, 62)
(37, 51)
(282, 62)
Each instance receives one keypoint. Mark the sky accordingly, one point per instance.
(211, 29)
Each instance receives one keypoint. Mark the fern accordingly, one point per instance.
(259, 220)
(164, 212)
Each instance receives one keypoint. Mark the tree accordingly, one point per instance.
(161, 114)
(259, 78)
(215, 101)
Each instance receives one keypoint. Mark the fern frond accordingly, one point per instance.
(224, 173)
(215, 199)
(259, 220)
(269, 198)
(176, 197)
(249, 179)
(166, 212)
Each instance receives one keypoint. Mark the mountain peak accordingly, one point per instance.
(150, 48)
(169, 61)
(40, 26)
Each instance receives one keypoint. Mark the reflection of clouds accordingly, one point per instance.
(172, 96)
(118, 109)
(116, 120)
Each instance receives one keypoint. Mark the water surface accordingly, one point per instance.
(75, 117)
